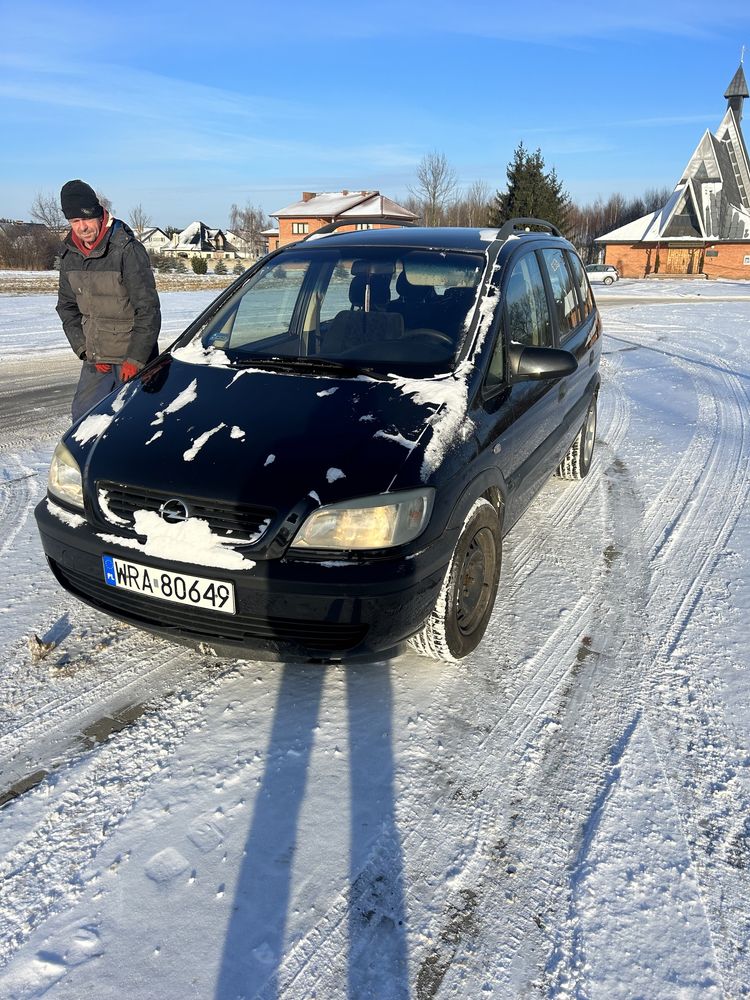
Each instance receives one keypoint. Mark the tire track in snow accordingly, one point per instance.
(43, 874)
(694, 746)
(52, 729)
(702, 757)
(17, 497)
(669, 509)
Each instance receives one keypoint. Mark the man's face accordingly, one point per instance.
(86, 230)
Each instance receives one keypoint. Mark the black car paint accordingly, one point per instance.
(511, 441)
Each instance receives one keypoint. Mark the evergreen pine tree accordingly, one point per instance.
(221, 267)
(531, 192)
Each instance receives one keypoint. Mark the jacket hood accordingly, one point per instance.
(265, 437)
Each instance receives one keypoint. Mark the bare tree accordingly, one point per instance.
(105, 203)
(435, 187)
(248, 223)
(476, 204)
(140, 220)
(46, 209)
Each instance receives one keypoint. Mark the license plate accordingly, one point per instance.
(180, 588)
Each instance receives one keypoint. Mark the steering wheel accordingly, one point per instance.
(429, 334)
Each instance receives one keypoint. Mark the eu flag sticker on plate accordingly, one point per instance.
(109, 571)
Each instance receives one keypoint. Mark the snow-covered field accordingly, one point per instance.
(564, 814)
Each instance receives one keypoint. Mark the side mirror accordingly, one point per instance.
(529, 364)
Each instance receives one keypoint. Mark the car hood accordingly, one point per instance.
(267, 437)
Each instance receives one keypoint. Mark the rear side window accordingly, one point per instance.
(582, 281)
(563, 292)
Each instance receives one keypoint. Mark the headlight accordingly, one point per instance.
(371, 523)
(64, 479)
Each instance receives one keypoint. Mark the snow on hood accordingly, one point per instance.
(272, 438)
(92, 427)
(188, 395)
(196, 446)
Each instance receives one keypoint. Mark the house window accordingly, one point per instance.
(364, 225)
(299, 228)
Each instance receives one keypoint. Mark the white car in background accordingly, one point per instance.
(605, 273)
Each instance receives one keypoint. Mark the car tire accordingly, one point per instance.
(467, 596)
(577, 461)
(608, 280)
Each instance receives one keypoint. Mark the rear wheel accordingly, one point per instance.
(577, 461)
(464, 605)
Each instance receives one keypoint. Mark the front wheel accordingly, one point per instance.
(577, 461)
(464, 605)
(608, 280)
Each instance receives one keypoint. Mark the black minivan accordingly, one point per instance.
(323, 465)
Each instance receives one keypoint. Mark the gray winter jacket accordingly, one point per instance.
(108, 301)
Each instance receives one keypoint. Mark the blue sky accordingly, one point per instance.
(186, 107)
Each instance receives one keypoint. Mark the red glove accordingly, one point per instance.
(103, 368)
(128, 370)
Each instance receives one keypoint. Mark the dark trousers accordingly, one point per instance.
(93, 386)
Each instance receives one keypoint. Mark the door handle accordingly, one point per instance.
(561, 392)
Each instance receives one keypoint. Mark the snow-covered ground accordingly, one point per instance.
(564, 814)
(30, 325)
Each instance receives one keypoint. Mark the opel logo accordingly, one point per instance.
(173, 511)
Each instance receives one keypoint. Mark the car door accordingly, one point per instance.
(527, 320)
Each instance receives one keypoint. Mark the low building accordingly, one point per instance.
(155, 240)
(199, 240)
(271, 236)
(314, 211)
(704, 229)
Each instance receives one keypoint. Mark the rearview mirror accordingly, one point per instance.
(534, 363)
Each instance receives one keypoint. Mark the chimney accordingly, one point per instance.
(308, 195)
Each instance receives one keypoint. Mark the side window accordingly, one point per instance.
(527, 316)
(563, 292)
(337, 293)
(267, 310)
(582, 281)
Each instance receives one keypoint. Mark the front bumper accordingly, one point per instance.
(285, 608)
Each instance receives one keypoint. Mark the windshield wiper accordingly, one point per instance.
(296, 362)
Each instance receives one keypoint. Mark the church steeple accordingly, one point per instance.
(736, 93)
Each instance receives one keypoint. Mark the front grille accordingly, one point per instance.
(240, 522)
(199, 623)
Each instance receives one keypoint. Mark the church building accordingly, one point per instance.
(704, 228)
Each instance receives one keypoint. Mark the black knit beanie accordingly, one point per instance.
(79, 201)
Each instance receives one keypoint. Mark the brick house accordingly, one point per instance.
(704, 229)
(316, 210)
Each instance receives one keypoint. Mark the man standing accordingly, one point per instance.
(107, 298)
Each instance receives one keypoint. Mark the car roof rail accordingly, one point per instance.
(509, 228)
(383, 220)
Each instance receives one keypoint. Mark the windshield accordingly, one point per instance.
(387, 309)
